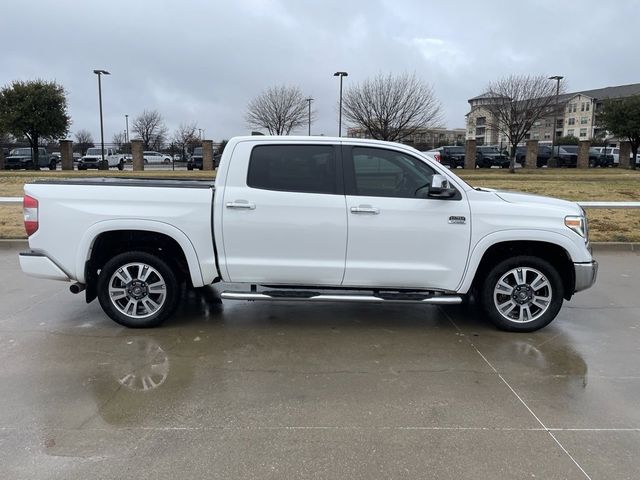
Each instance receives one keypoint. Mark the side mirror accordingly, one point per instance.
(440, 188)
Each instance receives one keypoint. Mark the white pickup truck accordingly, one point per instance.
(310, 219)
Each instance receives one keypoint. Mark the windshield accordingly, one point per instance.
(455, 150)
(21, 151)
(488, 149)
(93, 151)
(197, 151)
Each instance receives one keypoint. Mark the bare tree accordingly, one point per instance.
(391, 107)
(84, 140)
(184, 135)
(279, 110)
(515, 103)
(119, 139)
(150, 128)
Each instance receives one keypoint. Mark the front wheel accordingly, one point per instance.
(138, 290)
(522, 294)
(52, 165)
(121, 164)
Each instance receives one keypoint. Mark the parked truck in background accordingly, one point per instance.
(22, 158)
(93, 159)
(313, 219)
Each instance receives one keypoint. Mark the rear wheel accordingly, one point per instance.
(522, 294)
(52, 165)
(121, 164)
(138, 290)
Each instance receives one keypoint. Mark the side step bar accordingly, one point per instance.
(433, 300)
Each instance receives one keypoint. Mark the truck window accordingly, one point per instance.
(386, 173)
(293, 168)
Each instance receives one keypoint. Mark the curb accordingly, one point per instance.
(615, 247)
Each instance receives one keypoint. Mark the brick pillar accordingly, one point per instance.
(583, 153)
(66, 154)
(470, 154)
(625, 155)
(137, 156)
(1, 157)
(207, 155)
(531, 160)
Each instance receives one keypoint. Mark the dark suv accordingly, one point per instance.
(452, 156)
(487, 157)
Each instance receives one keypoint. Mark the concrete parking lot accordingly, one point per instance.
(294, 390)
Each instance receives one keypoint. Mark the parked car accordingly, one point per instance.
(155, 157)
(567, 155)
(195, 162)
(488, 156)
(601, 157)
(435, 154)
(544, 153)
(93, 159)
(310, 219)
(452, 156)
(22, 158)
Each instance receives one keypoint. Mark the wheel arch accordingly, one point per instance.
(554, 253)
(109, 238)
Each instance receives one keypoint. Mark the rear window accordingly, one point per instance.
(293, 168)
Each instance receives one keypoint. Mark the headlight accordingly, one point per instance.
(577, 224)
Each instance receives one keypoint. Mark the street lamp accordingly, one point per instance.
(341, 75)
(126, 137)
(309, 100)
(557, 78)
(100, 73)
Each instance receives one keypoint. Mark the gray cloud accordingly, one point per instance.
(203, 61)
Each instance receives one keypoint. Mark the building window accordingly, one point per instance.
(480, 131)
(588, 104)
(583, 120)
(583, 132)
(536, 136)
(582, 107)
(481, 121)
(572, 121)
(570, 132)
(547, 136)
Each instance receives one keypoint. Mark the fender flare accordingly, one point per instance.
(502, 236)
(86, 243)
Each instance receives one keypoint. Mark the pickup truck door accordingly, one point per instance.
(398, 238)
(284, 217)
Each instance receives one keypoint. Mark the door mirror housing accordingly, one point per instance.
(440, 188)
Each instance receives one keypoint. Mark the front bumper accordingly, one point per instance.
(39, 265)
(585, 274)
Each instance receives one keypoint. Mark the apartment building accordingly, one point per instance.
(577, 116)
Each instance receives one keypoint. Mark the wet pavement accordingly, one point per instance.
(294, 390)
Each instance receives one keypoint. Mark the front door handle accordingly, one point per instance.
(365, 209)
(241, 204)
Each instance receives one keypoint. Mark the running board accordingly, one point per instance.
(433, 300)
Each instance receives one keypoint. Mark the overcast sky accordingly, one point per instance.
(204, 60)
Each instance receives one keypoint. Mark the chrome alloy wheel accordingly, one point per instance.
(137, 290)
(522, 295)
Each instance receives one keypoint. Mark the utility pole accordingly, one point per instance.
(309, 100)
(100, 73)
(341, 75)
(557, 78)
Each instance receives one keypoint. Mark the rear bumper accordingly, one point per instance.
(39, 265)
(586, 274)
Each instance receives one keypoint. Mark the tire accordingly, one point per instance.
(129, 266)
(52, 165)
(189, 167)
(121, 165)
(531, 311)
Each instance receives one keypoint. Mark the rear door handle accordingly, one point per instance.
(365, 209)
(241, 204)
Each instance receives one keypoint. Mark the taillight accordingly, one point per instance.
(437, 155)
(30, 207)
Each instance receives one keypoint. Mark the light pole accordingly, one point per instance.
(100, 73)
(126, 137)
(309, 100)
(341, 75)
(557, 78)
